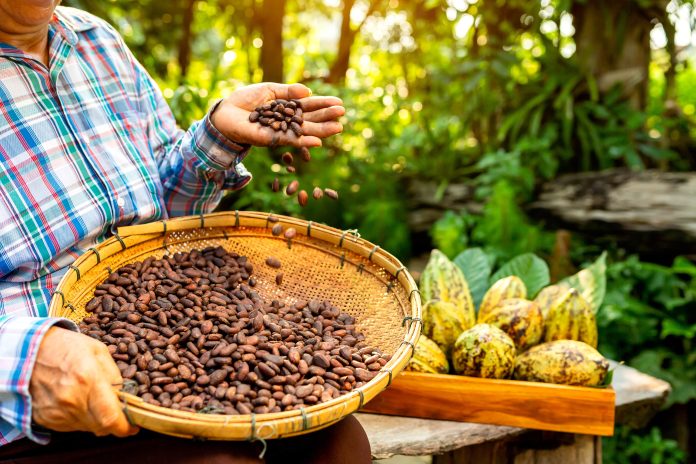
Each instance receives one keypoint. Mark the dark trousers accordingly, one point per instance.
(342, 443)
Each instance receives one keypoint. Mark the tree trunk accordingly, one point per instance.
(613, 45)
(186, 38)
(339, 68)
(272, 36)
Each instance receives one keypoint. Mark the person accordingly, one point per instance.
(88, 144)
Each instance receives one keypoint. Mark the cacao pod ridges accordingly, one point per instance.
(428, 358)
(548, 296)
(568, 362)
(443, 280)
(571, 318)
(443, 322)
(484, 351)
(520, 319)
(503, 289)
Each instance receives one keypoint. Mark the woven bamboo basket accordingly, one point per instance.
(320, 262)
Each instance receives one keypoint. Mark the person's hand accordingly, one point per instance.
(231, 117)
(72, 386)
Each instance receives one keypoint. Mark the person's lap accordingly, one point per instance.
(344, 442)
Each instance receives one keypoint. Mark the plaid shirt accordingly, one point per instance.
(86, 145)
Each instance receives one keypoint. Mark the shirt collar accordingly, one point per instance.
(61, 23)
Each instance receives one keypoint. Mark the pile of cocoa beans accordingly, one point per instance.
(189, 332)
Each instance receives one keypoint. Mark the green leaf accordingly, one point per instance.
(591, 282)
(533, 271)
(477, 269)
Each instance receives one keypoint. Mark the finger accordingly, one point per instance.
(317, 103)
(322, 130)
(287, 92)
(106, 412)
(325, 114)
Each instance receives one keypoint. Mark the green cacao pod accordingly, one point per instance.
(571, 318)
(484, 351)
(442, 280)
(443, 322)
(520, 319)
(428, 358)
(548, 295)
(503, 289)
(568, 362)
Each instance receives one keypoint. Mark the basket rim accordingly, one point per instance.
(128, 236)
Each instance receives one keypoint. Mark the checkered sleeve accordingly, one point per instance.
(195, 166)
(20, 337)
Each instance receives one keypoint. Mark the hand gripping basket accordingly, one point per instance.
(320, 262)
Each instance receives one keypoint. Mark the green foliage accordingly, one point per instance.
(628, 446)
(648, 321)
(450, 233)
(531, 269)
(476, 267)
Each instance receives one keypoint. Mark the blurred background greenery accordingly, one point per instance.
(489, 98)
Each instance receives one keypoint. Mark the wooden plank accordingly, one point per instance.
(501, 402)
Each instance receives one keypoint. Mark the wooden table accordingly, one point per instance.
(638, 398)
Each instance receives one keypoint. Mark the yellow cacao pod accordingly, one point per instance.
(568, 362)
(520, 319)
(548, 295)
(571, 318)
(442, 280)
(428, 358)
(484, 351)
(443, 322)
(503, 289)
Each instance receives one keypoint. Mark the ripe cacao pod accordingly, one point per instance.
(484, 351)
(503, 289)
(566, 362)
(428, 358)
(442, 280)
(571, 318)
(548, 295)
(520, 319)
(443, 322)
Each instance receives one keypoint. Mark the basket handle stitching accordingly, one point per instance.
(96, 252)
(408, 320)
(413, 347)
(390, 375)
(372, 252)
(70, 307)
(253, 427)
(362, 399)
(62, 297)
(305, 419)
(309, 229)
(202, 216)
(343, 260)
(236, 217)
(77, 271)
(123, 244)
(399, 271)
(361, 268)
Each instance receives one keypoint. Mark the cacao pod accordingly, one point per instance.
(548, 295)
(443, 280)
(428, 358)
(443, 322)
(571, 318)
(566, 362)
(484, 351)
(503, 289)
(520, 319)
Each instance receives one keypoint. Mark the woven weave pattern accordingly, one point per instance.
(330, 265)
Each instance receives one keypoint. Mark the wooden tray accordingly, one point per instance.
(532, 405)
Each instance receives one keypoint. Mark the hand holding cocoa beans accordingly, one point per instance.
(319, 116)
